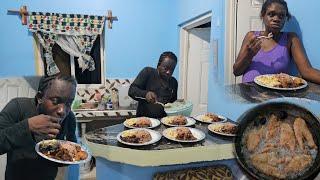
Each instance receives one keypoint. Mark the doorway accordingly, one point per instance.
(242, 16)
(194, 62)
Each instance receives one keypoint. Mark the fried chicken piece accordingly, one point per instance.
(285, 80)
(268, 169)
(298, 163)
(253, 139)
(81, 155)
(302, 132)
(298, 82)
(287, 137)
(273, 127)
(269, 147)
(269, 158)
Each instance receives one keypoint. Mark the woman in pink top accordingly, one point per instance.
(272, 53)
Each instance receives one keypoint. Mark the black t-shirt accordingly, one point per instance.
(19, 143)
(149, 80)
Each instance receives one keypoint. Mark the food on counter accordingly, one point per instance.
(141, 122)
(279, 146)
(281, 80)
(176, 120)
(181, 133)
(62, 150)
(88, 105)
(226, 128)
(136, 136)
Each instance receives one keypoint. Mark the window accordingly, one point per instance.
(68, 64)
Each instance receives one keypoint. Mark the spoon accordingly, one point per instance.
(157, 102)
(270, 35)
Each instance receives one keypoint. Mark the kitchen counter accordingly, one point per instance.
(164, 152)
(102, 118)
(253, 93)
(118, 161)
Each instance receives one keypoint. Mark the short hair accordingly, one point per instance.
(167, 54)
(269, 2)
(46, 81)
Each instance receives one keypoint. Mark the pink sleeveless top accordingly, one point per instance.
(273, 61)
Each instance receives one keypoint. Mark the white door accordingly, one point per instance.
(248, 19)
(197, 69)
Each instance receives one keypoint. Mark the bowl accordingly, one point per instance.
(179, 108)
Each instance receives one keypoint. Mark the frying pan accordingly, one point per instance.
(264, 109)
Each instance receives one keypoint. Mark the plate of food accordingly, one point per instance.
(64, 152)
(280, 81)
(183, 134)
(225, 129)
(210, 118)
(178, 120)
(138, 137)
(141, 122)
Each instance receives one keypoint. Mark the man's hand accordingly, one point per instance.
(151, 97)
(45, 125)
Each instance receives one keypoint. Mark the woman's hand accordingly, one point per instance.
(45, 125)
(253, 47)
(249, 48)
(151, 97)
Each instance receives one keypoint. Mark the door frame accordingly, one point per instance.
(184, 49)
(230, 40)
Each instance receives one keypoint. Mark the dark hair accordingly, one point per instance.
(269, 2)
(46, 81)
(167, 54)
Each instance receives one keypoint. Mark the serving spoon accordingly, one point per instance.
(157, 102)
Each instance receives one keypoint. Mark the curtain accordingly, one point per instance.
(74, 45)
(74, 33)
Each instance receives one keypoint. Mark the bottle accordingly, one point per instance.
(109, 105)
(115, 99)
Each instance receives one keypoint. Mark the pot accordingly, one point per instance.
(275, 107)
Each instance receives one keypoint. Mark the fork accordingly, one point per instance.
(270, 35)
(157, 102)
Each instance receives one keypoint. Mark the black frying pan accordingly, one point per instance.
(275, 107)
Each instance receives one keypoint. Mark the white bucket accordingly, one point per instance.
(124, 98)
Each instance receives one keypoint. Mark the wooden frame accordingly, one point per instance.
(230, 41)
(183, 58)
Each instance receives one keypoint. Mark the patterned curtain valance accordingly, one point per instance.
(74, 33)
(68, 24)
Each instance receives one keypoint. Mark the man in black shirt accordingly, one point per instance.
(26, 121)
(155, 85)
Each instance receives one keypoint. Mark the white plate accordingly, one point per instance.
(190, 122)
(199, 118)
(154, 123)
(305, 84)
(155, 137)
(212, 126)
(83, 148)
(195, 132)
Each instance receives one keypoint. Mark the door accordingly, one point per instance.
(197, 69)
(248, 19)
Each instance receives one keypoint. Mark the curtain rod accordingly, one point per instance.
(23, 12)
